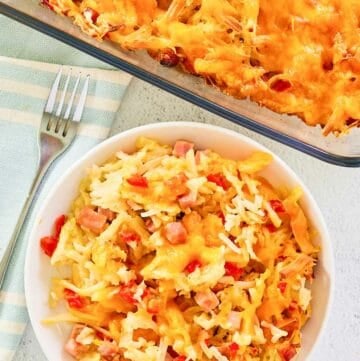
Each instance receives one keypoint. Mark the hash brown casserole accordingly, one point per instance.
(295, 57)
(173, 253)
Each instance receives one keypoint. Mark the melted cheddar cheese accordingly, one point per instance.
(294, 57)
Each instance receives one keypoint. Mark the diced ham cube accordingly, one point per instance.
(177, 184)
(181, 147)
(207, 300)
(110, 215)
(175, 233)
(188, 200)
(72, 347)
(76, 331)
(91, 220)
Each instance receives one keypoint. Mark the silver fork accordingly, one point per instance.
(56, 133)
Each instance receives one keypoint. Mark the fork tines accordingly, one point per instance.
(61, 117)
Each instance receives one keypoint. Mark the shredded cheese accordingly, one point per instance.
(147, 274)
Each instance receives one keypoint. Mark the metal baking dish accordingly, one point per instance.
(289, 130)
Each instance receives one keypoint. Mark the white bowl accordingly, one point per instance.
(229, 144)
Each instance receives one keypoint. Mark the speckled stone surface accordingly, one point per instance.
(337, 191)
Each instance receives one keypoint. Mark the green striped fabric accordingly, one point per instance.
(24, 87)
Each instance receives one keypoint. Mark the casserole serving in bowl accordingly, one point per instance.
(286, 129)
(228, 144)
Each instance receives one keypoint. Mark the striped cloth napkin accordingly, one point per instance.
(24, 87)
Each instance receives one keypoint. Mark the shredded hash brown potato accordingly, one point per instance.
(295, 57)
(179, 254)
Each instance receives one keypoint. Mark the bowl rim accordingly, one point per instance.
(97, 149)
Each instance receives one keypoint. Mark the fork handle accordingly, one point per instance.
(4, 263)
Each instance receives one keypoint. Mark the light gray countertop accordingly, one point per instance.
(337, 191)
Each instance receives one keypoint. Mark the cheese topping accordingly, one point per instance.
(295, 57)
